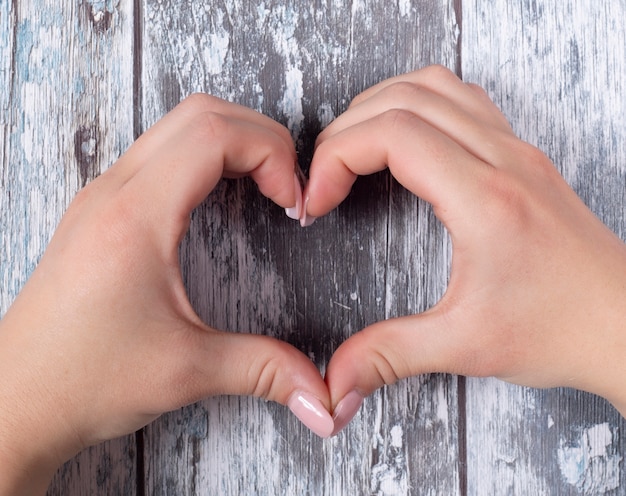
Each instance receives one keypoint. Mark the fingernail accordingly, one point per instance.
(305, 219)
(311, 413)
(294, 212)
(346, 410)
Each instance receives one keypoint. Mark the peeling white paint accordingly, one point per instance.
(442, 404)
(496, 462)
(100, 7)
(325, 114)
(291, 104)
(404, 7)
(285, 22)
(396, 436)
(390, 476)
(386, 481)
(588, 463)
(104, 5)
(358, 6)
(214, 53)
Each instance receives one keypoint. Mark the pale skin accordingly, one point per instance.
(537, 290)
(97, 347)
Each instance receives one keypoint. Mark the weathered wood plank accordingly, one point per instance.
(9, 283)
(66, 109)
(249, 268)
(6, 62)
(558, 71)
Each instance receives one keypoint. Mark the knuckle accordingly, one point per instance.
(356, 101)
(384, 368)
(438, 72)
(262, 381)
(537, 160)
(398, 122)
(199, 102)
(478, 89)
(205, 118)
(268, 374)
(396, 118)
(209, 126)
(385, 361)
(85, 196)
(403, 91)
(327, 150)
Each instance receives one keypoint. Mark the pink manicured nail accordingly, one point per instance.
(346, 410)
(294, 212)
(311, 413)
(305, 219)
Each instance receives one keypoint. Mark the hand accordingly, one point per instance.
(102, 339)
(537, 291)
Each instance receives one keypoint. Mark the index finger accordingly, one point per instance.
(422, 158)
(442, 81)
(166, 129)
(172, 180)
(189, 157)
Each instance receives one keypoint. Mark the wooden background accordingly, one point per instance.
(80, 80)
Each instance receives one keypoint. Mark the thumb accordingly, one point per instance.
(385, 352)
(261, 366)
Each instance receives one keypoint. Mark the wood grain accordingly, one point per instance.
(67, 114)
(8, 287)
(557, 69)
(249, 268)
(78, 79)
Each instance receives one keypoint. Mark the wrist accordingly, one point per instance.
(33, 436)
(28, 462)
(610, 363)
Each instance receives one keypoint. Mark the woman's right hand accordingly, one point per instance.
(537, 290)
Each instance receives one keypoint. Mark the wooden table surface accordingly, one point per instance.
(80, 80)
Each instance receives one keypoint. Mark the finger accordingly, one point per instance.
(185, 169)
(420, 157)
(386, 352)
(473, 132)
(167, 128)
(444, 82)
(217, 363)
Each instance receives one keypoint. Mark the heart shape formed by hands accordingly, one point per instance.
(121, 344)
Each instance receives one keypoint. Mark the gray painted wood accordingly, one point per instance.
(249, 268)
(66, 114)
(558, 71)
(557, 68)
